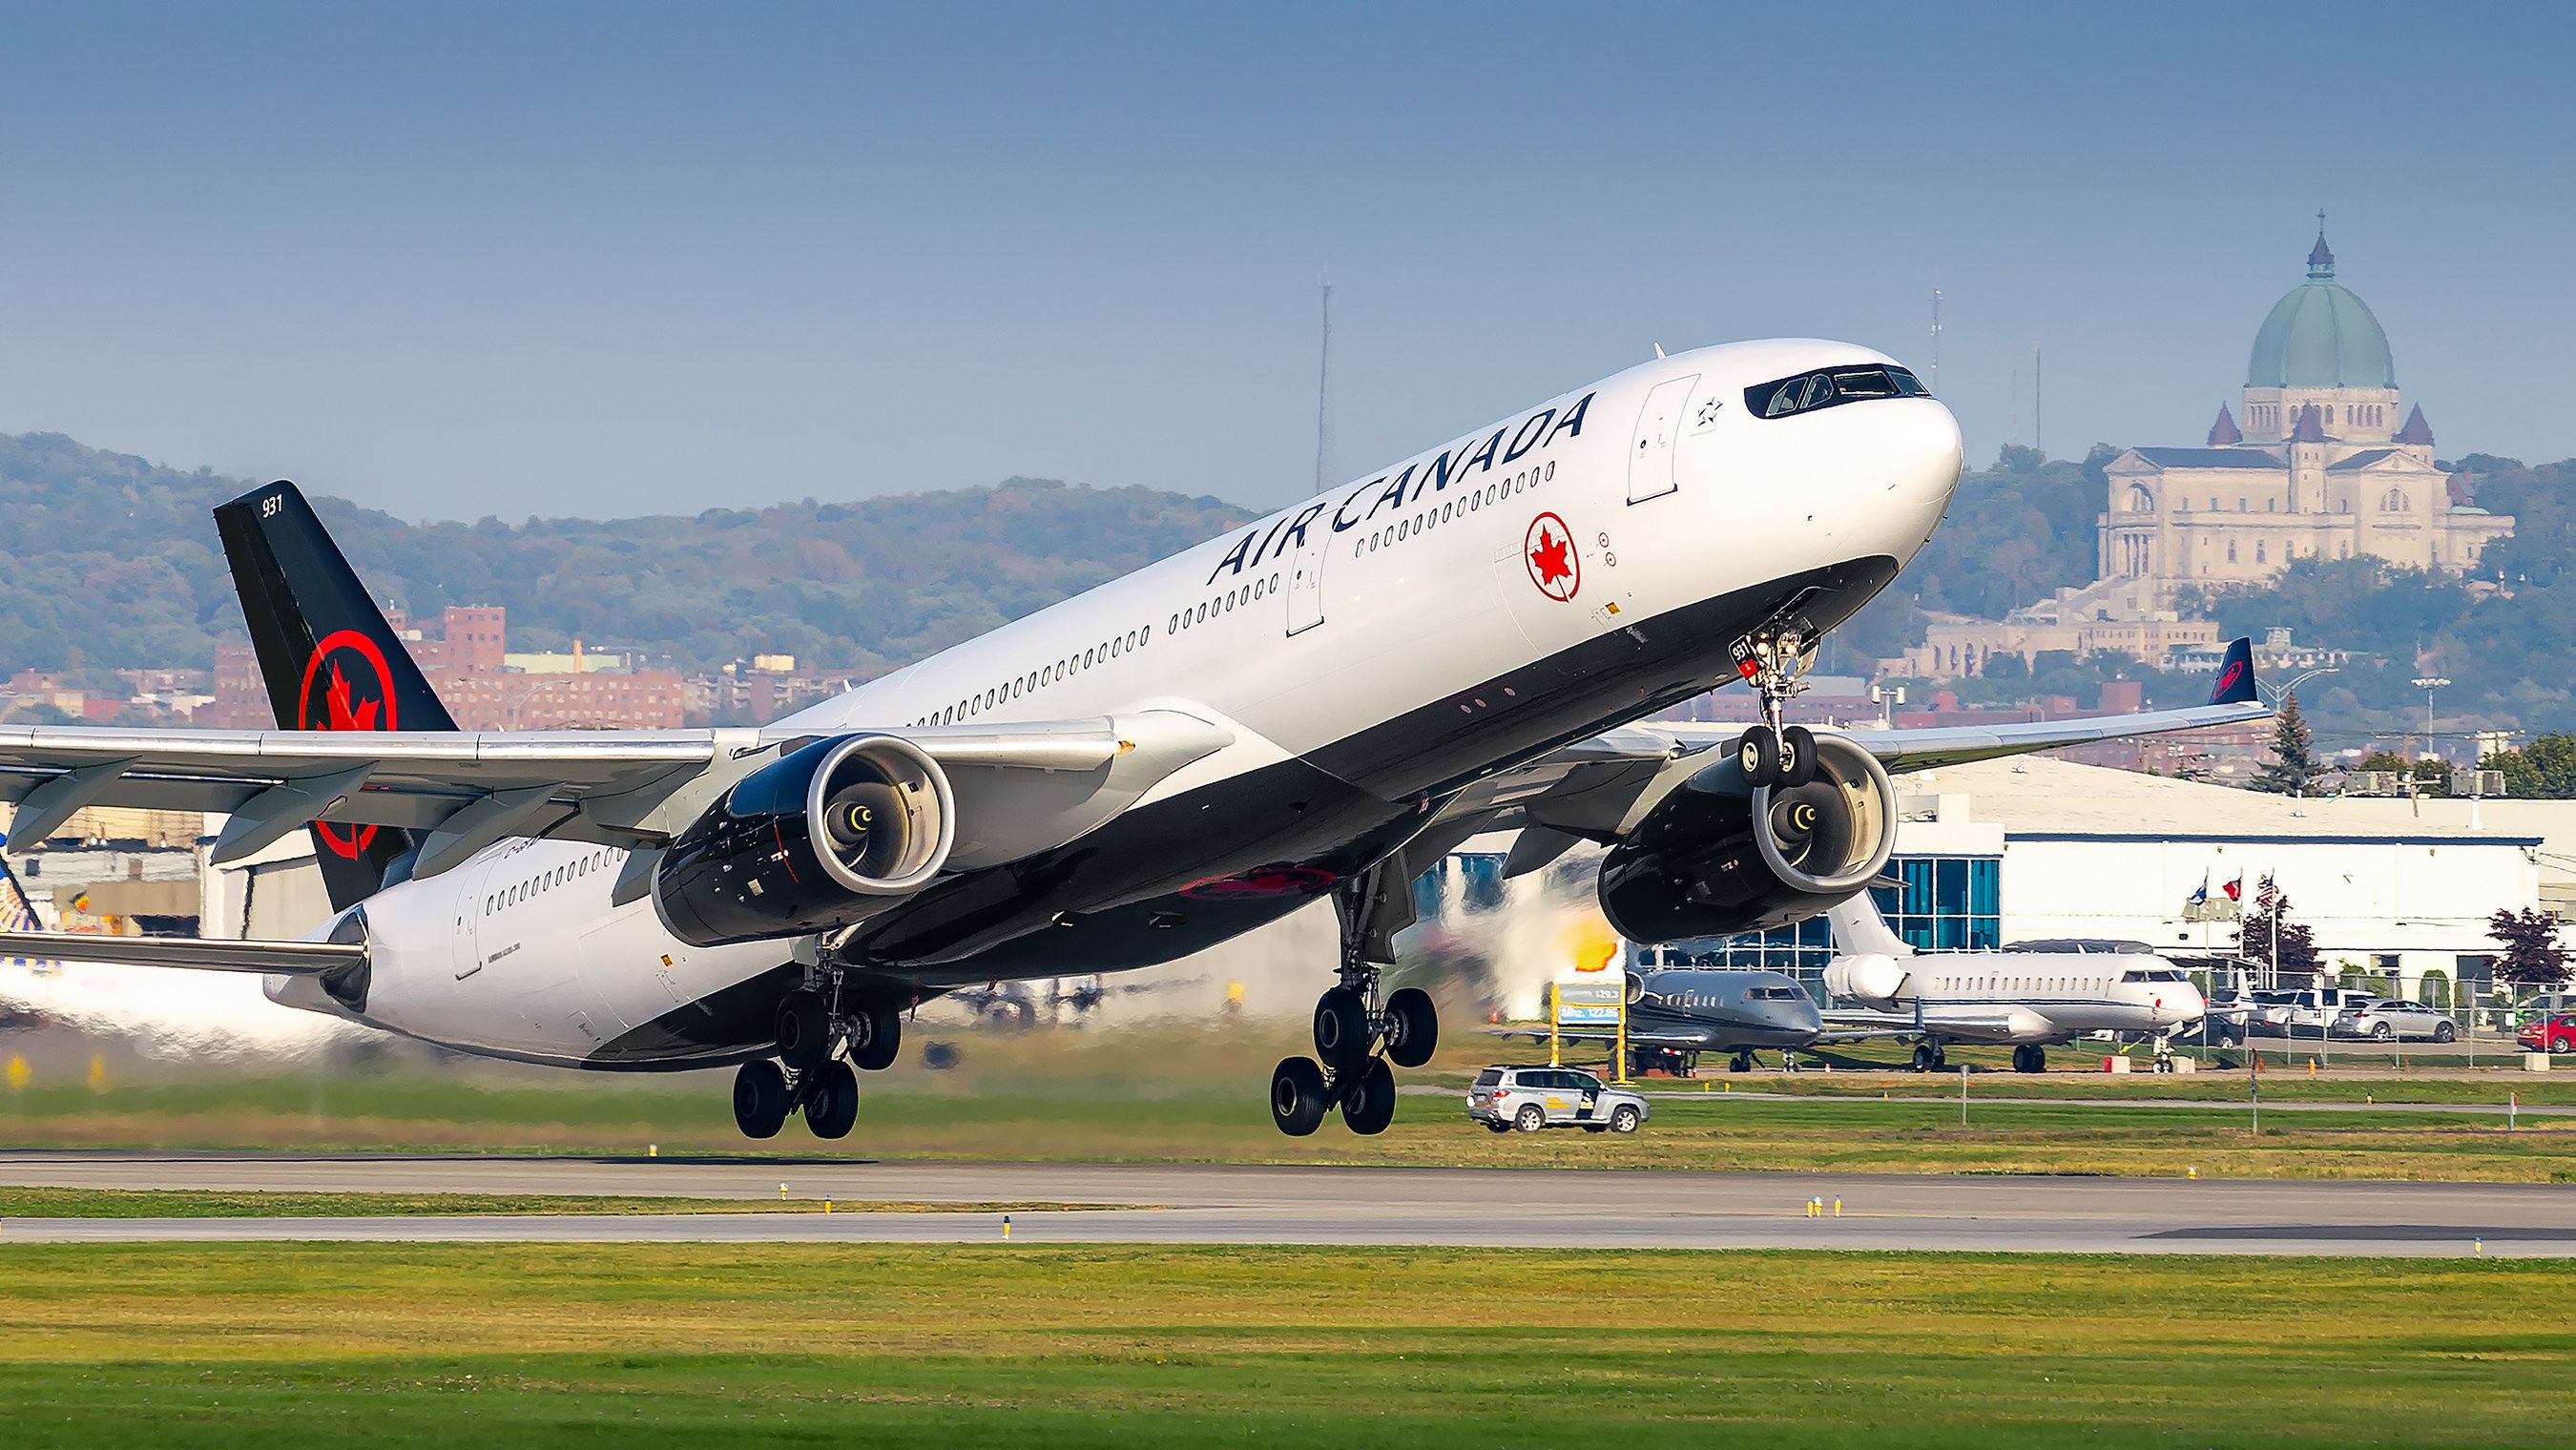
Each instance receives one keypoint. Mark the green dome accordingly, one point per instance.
(2320, 336)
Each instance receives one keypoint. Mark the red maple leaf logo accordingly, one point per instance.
(341, 716)
(1549, 558)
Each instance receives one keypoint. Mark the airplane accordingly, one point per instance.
(2030, 999)
(1318, 705)
(1677, 1013)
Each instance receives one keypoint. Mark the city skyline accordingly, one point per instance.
(454, 264)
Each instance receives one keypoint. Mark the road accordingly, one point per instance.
(1159, 1203)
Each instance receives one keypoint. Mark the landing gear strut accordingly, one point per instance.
(822, 1037)
(1358, 1032)
(1774, 660)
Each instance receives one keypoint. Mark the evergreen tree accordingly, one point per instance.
(2266, 935)
(2292, 765)
(2532, 957)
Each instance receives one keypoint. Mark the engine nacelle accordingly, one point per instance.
(1867, 977)
(824, 836)
(1717, 855)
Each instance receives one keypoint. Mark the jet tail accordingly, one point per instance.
(330, 661)
(2235, 675)
(1858, 929)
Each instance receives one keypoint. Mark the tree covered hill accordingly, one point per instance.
(108, 562)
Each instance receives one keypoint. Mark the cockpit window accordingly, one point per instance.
(1809, 391)
(1774, 994)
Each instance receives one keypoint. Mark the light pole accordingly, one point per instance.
(1887, 697)
(2428, 684)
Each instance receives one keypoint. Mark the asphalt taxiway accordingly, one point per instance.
(1217, 1204)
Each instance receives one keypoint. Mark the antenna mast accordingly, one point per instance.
(1323, 392)
(1936, 339)
(2038, 432)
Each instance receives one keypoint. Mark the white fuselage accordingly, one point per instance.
(2028, 997)
(1310, 634)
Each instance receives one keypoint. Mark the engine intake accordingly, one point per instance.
(824, 836)
(1718, 855)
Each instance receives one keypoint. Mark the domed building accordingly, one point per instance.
(2328, 463)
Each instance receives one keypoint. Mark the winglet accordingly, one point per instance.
(2235, 676)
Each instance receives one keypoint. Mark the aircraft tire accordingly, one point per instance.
(1342, 1028)
(832, 1101)
(759, 1099)
(1926, 1059)
(1297, 1098)
(1758, 756)
(1740, 1062)
(1368, 1104)
(804, 1028)
(1416, 1024)
(2027, 1058)
(1797, 755)
(884, 1040)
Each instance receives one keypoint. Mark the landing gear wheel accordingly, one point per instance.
(1926, 1057)
(1412, 1027)
(1530, 1118)
(1368, 1101)
(1740, 1062)
(1940, 1059)
(1297, 1097)
(879, 1038)
(1757, 754)
(804, 1028)
(832, 1100)
(1797, 755)
(1342, 1027)
(2030, 1058)
(1625, 1120)
(760, 1099)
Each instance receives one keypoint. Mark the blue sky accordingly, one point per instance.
(454, 260)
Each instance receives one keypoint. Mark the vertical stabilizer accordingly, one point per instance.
(329, 659)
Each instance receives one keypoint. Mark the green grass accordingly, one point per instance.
(1115, 1346)
(209, 1203)
(1182, 1096)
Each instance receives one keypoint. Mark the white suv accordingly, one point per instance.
(1531, 1098)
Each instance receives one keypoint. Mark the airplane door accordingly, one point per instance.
(1659, 427)
(1306, 579)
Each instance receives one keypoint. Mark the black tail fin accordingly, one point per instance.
(330, 660)
(2235, 675)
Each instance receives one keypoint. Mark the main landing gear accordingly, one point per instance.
(1774, 660)
(821, 1042)
(1929, 1057)
(1358, 1032)
(2030, 1057)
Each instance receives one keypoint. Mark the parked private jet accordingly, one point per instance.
(1316, 706)
(2030, 999)
(1677, 1013)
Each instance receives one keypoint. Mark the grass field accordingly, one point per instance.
(1195, 1097)
(1041, 1347)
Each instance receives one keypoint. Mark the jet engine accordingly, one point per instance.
(826, 835)
(1868, 977)
(1718, 855)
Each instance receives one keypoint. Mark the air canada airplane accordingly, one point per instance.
(1318, 705)
(2029, 999)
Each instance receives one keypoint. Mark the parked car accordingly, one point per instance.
(2545, 1005)
(1527, 1099)
(2550, 1034)
(2395, 1022)
(2267, 1011)
(2313, 1009)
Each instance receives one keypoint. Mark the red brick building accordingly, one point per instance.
(466, 661)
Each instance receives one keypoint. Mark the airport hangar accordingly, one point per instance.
(2036, 849)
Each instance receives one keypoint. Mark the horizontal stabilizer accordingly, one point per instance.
(293, 958)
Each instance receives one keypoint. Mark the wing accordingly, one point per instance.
(1590, 790)
(294, 958)
(1019, 787)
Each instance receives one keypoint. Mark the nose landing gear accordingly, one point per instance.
(1358, 1033)
(1774, 660)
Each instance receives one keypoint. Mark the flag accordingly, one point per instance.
(2235, 889)
(2200, 897)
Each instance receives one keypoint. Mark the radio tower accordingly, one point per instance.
(1323, 393)
(2038, 417)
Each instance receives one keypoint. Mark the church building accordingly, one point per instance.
(2328, 463)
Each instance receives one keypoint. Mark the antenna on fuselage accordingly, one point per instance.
(1936, 337)
(1659, 352)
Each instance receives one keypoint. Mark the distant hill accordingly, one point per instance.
(108, 561)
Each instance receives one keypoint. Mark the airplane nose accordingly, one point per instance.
(1925, 452)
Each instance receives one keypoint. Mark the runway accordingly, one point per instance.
(1209, 1204)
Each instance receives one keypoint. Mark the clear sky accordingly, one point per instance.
(454, 260)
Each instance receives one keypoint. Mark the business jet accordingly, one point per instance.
(1317, 706)
(2030, 999)
(1677, 1013)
